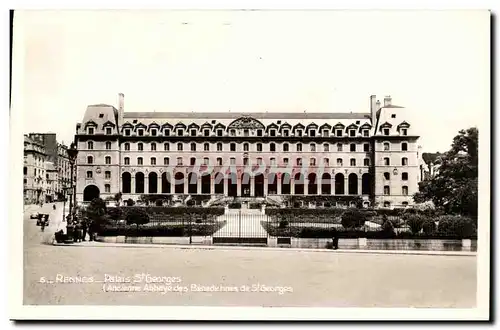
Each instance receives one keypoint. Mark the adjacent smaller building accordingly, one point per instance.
(34, 170)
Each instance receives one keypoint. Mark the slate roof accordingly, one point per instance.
(259, 115)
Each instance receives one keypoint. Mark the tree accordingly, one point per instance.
(118, 198)
(115, 213)
(454, 188)
(137, 216)
(415, 222)
(96, 211)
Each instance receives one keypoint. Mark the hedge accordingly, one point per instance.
(162, 231)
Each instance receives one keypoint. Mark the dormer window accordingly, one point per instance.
(219, 132)
(366, 132)
(91, 130)
(108, 130)
(338, 132)
(127, 132)
(286, 132)
(386, 131)
(193, 132)
(180, 132)
(140, 132)
(272, 132)
(153, 132)
(312, 133)
(167, 132)
(325, 133)
(246, 132)
(259, 132)
(299, 132)
(404, 131)
(206, 132)
(352, 132)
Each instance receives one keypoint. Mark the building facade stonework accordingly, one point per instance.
(373, 155)
(34, 173)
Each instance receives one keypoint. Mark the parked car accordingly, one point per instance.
(34, 215)
(42, 218)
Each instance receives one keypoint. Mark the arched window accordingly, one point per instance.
(153, 146)
(206, 147)
(353, 162)
(312, 162)
(299, 146)
(387, 146)
(245, 147)
(339, 161)
(107, 188)
(404, 161)
(126, 160)
(285, 147)
(108, 145)
(90, 145)
(107, 160)
(405, 190)
(139, 161)
(179, 146)
(193, 146)
(326, 147)
(387, 161)
(140, 146)
(272, 147)
(166, 146)
(153, 161)
(90, 160)
(166, 161)
(127, 146)
(404, 146)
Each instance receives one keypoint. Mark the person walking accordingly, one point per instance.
(85, 225)
(335, 239)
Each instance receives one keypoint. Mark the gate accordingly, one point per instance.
(242, 227)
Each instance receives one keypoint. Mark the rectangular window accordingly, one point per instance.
(259, 132)
(232, 146)
(140, 132)
(167, 132)
(245, 161)
(166, 161)
(299, 132)
(352, 133)
(272, 132)
(286, 133)
(107, 188)
(107, 175)
(153, 132)
(285, 161)
(127, 132)
(180, 132)
(339, 161)
(387, 190)
(232, 132)
(246, 132)
(312, 162)
(339, 147)
(326, 161)
(219, 132)
(153, 161)
(338, 132)
(325, 133)
(89, 174)
(179, 160)
(366, 147)
(366, 162)
(353, 162)
(206, 161)
(219, 146)
(353, 147)
(366, 132)
(219, 161)
(312, 133)
(404, 131)
(127, 161)
(299, 161)
(273, 161)
(386, 131)
(233, 161)
(405, 190)
(166, 146)
(193, 132)
(139, 161)
(193, 161)
(91, 130)
(206, 132)
(108, 130)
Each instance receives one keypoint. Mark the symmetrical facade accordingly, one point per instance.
(373, 155)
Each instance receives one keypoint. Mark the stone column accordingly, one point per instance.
(319, 181)
(146, 184)
(346, 185)
(278, 186)
(266, 183)
(186, 184)
(238, 185)
(292, 186)
(332, 187)
(158, 185)
(306, 186)
(198, 185)
(360, 183)
(212, 184)
(132, 184)
(252, 186)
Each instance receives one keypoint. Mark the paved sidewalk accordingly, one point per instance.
(229, 247)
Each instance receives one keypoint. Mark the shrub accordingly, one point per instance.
(234, 205)
(137, 216)
(190, 202)
(415, 222)
(254, 205)
(456, 226)
(429, 227)
(283, 224)
(158, 202)
(353, 219)
(115, 213)
(130, 202)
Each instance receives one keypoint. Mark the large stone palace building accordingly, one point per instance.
(373, 155)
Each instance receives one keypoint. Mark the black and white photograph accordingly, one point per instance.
(213, 164)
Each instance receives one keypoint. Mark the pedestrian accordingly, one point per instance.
(79, 229)
(335, 239)
(85, 225)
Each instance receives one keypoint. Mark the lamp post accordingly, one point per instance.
(72, 153)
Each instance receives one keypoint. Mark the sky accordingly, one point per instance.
(435, 63)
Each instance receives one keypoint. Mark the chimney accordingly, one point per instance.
(387, 101)
(373, 107)
(120, 109)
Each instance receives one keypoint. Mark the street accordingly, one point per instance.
(89, 275)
